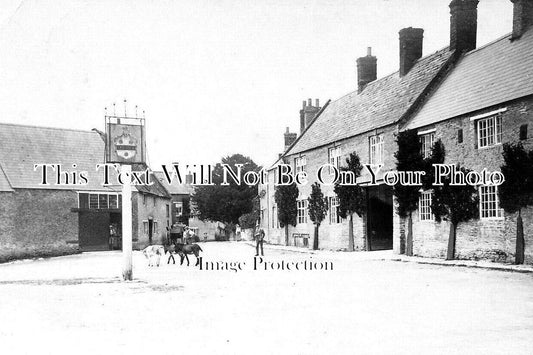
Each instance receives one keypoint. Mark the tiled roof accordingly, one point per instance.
(381, 103)
(21, 147)
(495, 73)
(4, 183)
(174, 188)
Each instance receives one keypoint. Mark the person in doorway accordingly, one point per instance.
(259, 236)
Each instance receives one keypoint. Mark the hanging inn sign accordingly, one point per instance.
(125, 140)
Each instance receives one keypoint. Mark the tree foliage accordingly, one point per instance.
(318, 208)
(352, 198)
(454, 203)
(226, 203)
(249, 220)
(517, 190)
(410, 159)
(317, 205)
(286, 197)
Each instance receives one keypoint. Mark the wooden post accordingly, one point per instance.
(127, 273)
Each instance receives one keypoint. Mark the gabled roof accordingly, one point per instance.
(382, 102)
(21, 147)
(490, 75)
(175, 188)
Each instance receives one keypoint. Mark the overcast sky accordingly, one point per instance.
(215, 77)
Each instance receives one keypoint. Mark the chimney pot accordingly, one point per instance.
(305, 102)
(522, 17)
(411, 42)
(463, 25)
(309, 103)
(369, 51)
(317, 104)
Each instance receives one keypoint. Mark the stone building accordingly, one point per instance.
(456, 94)
(483, 103)
(77, 214)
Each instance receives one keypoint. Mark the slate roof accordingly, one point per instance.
(21, 147)
(4, 182)
(174, 188)
(493, 74)
(381, 103)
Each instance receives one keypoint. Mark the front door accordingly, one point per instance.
(150, 230)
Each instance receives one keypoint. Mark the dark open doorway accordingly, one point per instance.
(379, 217)
(150, 230)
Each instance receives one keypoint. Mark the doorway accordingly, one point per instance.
(150, 230)
(380, 217)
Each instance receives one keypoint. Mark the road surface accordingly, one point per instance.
(361, 304)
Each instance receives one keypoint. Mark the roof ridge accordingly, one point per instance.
(488, 44)
(45, 127)
(393, 73)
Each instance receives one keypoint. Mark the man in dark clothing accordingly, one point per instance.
(259, 236)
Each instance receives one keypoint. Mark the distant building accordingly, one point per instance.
(54, 219)
(180, 196)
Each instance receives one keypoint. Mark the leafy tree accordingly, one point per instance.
(454, 203)
(226, 203)
(409, 159)
(317, 209)
(516, 192)
(286, 200)
(352, 198)
(249, 220)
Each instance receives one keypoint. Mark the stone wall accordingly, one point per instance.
(37, 223)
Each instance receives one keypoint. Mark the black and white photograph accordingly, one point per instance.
(266, 177)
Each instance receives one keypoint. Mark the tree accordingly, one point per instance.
(352, 198)
(454, 203)
(516, 192)
(249, 220)
(408, 158)
(286, 200)
(317, 209)
(226, 203)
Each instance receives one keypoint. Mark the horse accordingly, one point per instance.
(171, 249)
(184, 249)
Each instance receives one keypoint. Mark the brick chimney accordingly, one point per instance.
(308, 113)
(463, 25)
(522, 17)
(411, 40)
(366, 70)
(289, 139)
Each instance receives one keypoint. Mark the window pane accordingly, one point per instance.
(113, 201)
(103, 201)
(93, 200)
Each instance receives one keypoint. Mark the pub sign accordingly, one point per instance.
(125, 140)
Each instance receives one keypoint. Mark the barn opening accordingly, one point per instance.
(99, 221)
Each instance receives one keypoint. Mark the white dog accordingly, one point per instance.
(154, 253)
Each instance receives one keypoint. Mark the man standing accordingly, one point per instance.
(259, 236)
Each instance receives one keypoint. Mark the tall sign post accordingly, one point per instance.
(126, 145)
